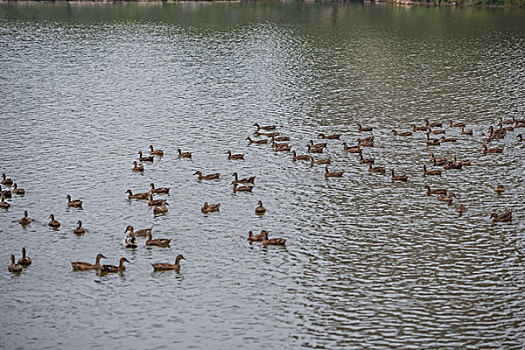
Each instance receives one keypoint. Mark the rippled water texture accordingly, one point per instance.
(368, 263)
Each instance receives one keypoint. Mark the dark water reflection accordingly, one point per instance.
(368, 263)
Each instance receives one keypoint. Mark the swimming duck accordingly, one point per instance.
(77, 203)
(160, 209)
(257, 142)
(449, 139)
(456, 125)
(272, 241)
(260, 209)
(280, 138)
(247, 180)
(130, 242)
(160, 190)
(351, 149)
(314, 149)
(258, 237)
(166, 266)
(377, 169)
(26, 220)
(113, 268)
(520, 138)
(403, 178)
(17, 190)
(208, 208)
(329, 137)
(461, 209)
(491, 150)
(508, 121)
(432, 142)
(318, 145)
(431, 172)
(138, 168)
(418, 128)
(143, 195)
(320, 161)
(6, 181)
(462, 162)
(448, 198)
(402, 133)
(453, 165)
(497, 134)
(338, 173)
(499, 188)
(14, 267)
(463, 132)
(301, 157)
(139, 233)
(506, 217)
(82, 266)
(25, 261)
(79, 230)
(53, 223)
(282, 148)
(280, 145)
(159, 242)
(265, 127)
(267, 134)
(361, 129)
(155, 202)
(241, 188)
(365, 142)
(145, 158)
(184, 154)
(435, 190)
(235, 156)
(4, 204)
(440, 162)
(439, 131)
(433, 125)
(5, 193)
(157, 152)
(207, 177)
(365, 160)
(506, 128)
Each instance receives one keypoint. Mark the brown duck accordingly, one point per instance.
(145, 158)
(448, 198)
(431, 172)
(360, 128)
(4, 204)
(82, 266)
(435, 190)
(365, 160)
(351, 149)
(160, 209)
(257, 142)
(246, 180)
(160, 190)
(184, 154)
(113, 268)
(25, 261)
(256, 238)
(18, 191)
(499, 188)
(154, 152)
(329, 137)
(433, 125)
(301, 157)
(338, 173)
(235, 156)
(272, 241)
(377, 169)
(26, 220)
(77, 203)
(314, 149)
(159, 242)
(463, 132)
(402, 133)
(6, 181)
(456, 125)
(491, 150)
(137, 168)
(320, 161)
(461, 209)
(207, 177)
(265, 127)
(280, 138)
(79, 230)
(14, 267)
(403, 178)
(143, 195)
(260, 210)
(241, 188)
(139, 233)
(506, 217)
(5, 193)
(155, 202)
(166, 266)
(53, 223)
(208, 208)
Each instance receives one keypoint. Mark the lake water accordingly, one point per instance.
(368, 264)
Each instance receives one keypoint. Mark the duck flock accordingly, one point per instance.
(270, 135)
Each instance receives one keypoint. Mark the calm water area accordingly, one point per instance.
(368, 263)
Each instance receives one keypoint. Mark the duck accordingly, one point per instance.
(160, 190)
(338, 173)
(53, 223)
(137, 168)
(4, 204)
(258, 237)
(257, 142)
(143, 195)
(265, 127)
(314, 149)
(208, 208)
(207, 177)
(361, 128)
(241, 188)
(365, 160)
(282, 148)
(130, 242)
(14, 267)
(145, 158)
(448, 139)
(139, 233)
(25, 261)
(440, 162)
(260, 209)
(160, 209)
(433, 125)
(508, 121)
(280, 145)
(320, 161)
(26, 220)
(453, 165)
(329, 137)
(272, 241)
(403, 178)
(5, 193)
(419, 128)
(79, 230)
(497, 134)
(520, 138)
(463, 132)
(446, 198)
(432, 142)
(442, 191)
(506, 128)
(77, 203)
(402, 133)
(81, 266)
(157, 152)
(435, 132)
(351, 149)
(301, 157)
(377, 169)
(431, 172)
(6, 181)
(499, 188)
(18, 191)
(491, 150)
(267, 134)
(505, 217)
(166, 266)
(365, 142)
(438, 159)
(247, 180)
(317, 145)
(462, 162)
(280, 138)
(159, 242)
(235, 156)
(456, 125)
(461, 209)
(113, 268)
(155, 202)
(520, 124)
(184, 154)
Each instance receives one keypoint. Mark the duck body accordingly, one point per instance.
(272, 241)
(436, 191)
(25, 261)
(468, 132)
(6, 181)
(208, 208)
(433, 125)
(138, 233)
(18, 191)
(14, 267)
(439, 131)
(449, 139)
(320, 161)
(329, 137)
(4, 204)
(301, 157)
(159, 242)
(143, 195)
(491, 150)
(282, 148)
(402, 178)
(267, 134)
(265, 127)
(5, 193)
(145, 158)
(155, 202)
(360, 128)
(280, 138)
(461, 209)
(26, 220)
(235, 156)
(260, 210)
(160, 209)
(351, 149)
(256, 238)
(431, 172)
(241, 188)
(402, 133)
(82, 266)
(506, 217)
(312, 149)
(246, 180)
(166, 266)
(419, 128)
(113, 268)
(377, 169)
(257, 142)
(213, 176)
(499, 188)
(365, 142)
(338, 173)
(456, 125)
(137, 168)
(79, 230)
(453, 165)
(365, 160)
(53, 223)
(157, 152)
(77, 203)
(445, 198)
(160, 190)
(184, 154)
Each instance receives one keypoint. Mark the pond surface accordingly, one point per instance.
(368, 264)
